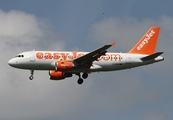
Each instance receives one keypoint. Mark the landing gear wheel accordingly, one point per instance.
(31, 77)
(80, 81)
(85, 75)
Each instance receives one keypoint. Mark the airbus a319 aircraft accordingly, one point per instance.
(63, 64)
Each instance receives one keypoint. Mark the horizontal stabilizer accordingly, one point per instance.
(151, 56)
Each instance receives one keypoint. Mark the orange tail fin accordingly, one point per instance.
(147, 43)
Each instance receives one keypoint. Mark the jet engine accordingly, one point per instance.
(58, 75)
(62, 65)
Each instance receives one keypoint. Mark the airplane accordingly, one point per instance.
(63, 64)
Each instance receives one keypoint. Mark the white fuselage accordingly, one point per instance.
(45, 60)
(62, 64)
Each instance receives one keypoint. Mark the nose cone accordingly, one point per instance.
(12, 62)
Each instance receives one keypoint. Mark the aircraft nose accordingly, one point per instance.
(12, 62)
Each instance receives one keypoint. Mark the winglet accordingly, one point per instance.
(147, 43)
(113, 44)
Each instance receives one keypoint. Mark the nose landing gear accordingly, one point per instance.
(32, 73)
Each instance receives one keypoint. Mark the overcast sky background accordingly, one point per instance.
(144, 93)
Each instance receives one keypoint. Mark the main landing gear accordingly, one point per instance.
(32, 73)
(80, 80)
(84, 76)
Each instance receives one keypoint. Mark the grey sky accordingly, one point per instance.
(143, 93)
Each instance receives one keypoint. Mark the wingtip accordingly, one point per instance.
(113, 44)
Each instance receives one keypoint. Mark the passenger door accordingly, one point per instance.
(32, 56)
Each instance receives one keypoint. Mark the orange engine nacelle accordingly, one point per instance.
(63, 66)
(57, 75)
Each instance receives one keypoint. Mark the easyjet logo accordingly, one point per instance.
(63, 56)
(146, 40)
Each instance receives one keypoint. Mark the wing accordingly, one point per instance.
(88, 59)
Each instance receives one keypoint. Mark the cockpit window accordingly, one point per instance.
(20, 56)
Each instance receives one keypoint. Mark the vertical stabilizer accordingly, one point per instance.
(147, 43)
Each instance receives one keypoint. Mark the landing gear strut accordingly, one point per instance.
(32, 73)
